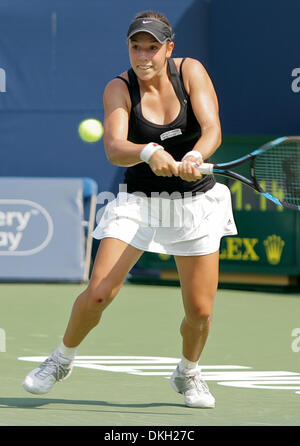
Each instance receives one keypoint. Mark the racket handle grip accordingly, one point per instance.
(205, 168)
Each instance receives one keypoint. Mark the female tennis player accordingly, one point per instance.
(160, 111)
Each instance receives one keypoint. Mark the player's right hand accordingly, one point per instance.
(163, 164)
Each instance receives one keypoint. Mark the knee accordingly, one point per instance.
(199, 318)
(100, 296)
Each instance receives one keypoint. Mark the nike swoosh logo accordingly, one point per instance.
(146, 21)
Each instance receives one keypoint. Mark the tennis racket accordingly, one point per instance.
(274, 171)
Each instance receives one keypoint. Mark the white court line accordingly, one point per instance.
(224, 375)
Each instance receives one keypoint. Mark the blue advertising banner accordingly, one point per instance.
(41, 229)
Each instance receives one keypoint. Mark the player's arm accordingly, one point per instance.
(205, 106)
(118, 149)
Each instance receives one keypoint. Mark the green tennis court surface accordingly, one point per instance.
(251, 361)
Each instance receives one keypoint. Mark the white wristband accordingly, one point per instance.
(194, 153)
(148, 151)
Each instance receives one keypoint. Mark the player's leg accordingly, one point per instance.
(199, 281)
(112, 264)
(114, 260)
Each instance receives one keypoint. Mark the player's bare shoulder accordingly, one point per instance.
(194, 73)
(116, 90)
(192, 67)
(117, 85)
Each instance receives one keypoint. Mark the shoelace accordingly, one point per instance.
(52, 366)
(194, 380)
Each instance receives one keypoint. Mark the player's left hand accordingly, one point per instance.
(188, 168)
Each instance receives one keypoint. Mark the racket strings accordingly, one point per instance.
(277, 170)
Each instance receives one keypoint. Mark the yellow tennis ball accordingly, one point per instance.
(90, 130)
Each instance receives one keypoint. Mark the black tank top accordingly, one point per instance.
(177, 138)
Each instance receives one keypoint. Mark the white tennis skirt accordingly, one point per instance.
(187, 226)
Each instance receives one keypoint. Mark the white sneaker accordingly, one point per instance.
(55, 368)
(194, 389)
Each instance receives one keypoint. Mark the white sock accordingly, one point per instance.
(68, 352)
(185, 365)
